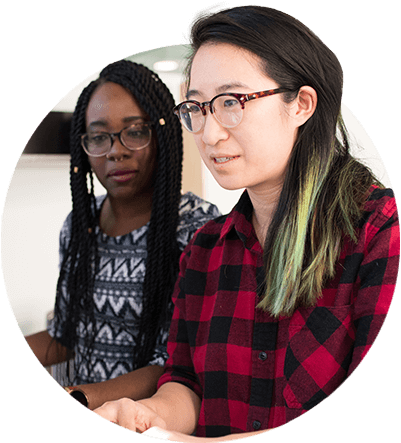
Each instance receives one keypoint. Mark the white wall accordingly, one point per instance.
(37, 203)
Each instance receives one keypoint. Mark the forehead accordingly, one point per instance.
(111, 100)
(221, 65)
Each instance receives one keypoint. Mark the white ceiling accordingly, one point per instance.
(178, 53)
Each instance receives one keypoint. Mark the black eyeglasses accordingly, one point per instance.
(227, 108)
(134, 138)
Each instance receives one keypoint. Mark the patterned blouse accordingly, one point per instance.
(118, 292)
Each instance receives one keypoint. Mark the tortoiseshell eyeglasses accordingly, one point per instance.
(227, 109)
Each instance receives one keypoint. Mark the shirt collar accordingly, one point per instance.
(239, 221)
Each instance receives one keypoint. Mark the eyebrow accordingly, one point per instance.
(223, 88)
(103, 123)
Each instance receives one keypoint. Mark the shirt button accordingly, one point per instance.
(256, 425)
(262, 356)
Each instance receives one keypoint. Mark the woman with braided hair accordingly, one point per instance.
(119, 252)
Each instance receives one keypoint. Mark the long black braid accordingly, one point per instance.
(81, 260)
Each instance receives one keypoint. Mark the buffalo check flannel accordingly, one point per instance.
(253, 371)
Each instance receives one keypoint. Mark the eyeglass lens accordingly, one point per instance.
(226, 109)
(134, 137)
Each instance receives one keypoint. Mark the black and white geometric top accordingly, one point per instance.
(118, 292)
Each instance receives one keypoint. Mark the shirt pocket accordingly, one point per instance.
(318, 354)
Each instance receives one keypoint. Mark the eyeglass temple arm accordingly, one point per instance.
(247, 97)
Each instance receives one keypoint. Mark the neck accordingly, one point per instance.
(119, 217)
(264, 205)
(130, 207)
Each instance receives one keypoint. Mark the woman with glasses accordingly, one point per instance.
(277, 302)
(119, 252)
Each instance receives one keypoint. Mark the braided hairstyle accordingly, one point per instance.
(81, 261)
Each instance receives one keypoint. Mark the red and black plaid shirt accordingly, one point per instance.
(253, 371)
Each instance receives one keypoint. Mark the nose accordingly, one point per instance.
(118, 151)
(213, 131)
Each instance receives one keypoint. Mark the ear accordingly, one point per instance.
(305, 105)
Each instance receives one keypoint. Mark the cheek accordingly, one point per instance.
(266, 154)
(152, 156)
(270, 155)
(97, 165)
(148, 159)
(200, 145)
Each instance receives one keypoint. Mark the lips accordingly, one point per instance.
(224, 159)
(122, 175)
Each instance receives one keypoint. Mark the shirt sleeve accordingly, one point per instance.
(377, 276)
(179, 367)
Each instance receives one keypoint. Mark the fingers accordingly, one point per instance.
(107, 411)
(119, 412)
(130, 415)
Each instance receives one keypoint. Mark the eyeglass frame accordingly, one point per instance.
(113, 136)
(242, 98)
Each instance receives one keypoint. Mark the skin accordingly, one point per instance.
(256, 153)
(127, 177)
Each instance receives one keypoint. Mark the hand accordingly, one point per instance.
(130, 415)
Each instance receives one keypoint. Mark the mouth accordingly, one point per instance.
(222, 160)
(122, 175)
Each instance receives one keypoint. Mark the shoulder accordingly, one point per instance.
(377, 229)
(193, 213)
(380, 208)
(192, 205)
(65, 232)
(381, 200)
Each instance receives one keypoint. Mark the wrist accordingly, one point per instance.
(79, 395)
(178, 406)
(149, 403)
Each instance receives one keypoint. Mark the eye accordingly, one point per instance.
(97, 138)
(190, 108)
(137, 132)
(230, 102)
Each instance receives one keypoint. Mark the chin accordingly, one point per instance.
(122, 194)
(231, 186)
